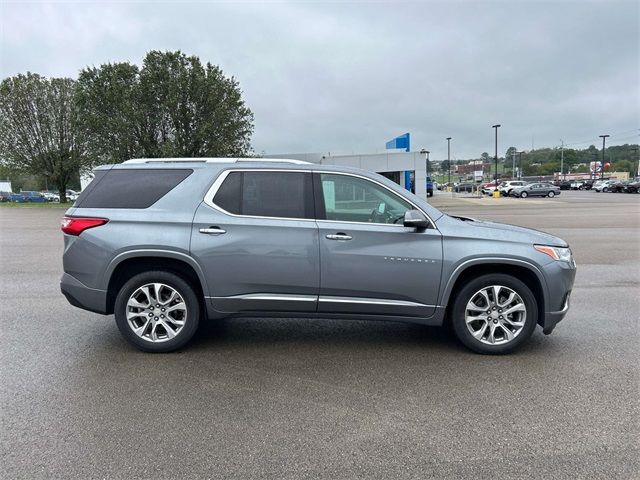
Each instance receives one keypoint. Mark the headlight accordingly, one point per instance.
(562, 254)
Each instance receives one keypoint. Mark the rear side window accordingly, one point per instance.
(130, 188)
(267, 194)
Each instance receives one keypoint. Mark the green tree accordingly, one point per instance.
(173, 106)
(39, 129)
(484, 157)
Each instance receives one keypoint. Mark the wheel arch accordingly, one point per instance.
(128, 264)
(520, 269)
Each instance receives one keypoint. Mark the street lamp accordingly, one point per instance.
(449, 162)
(603, 137)
(520, 164)
(496, 156)
(426, 153)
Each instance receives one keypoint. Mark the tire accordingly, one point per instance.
(606, 190)
(551, 194)
(524, 195)
(502, 345)
(164, 342)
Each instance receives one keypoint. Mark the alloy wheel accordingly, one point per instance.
(495, 315)
(156, 312)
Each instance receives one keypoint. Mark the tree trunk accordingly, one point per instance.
(62, 191)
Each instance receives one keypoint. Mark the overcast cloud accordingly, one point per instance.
(346, 77)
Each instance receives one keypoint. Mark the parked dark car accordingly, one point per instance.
(35, 197)
(465, 187)
(17, 197)
(632, 187)
(564, 185)
(617, 187)
(429, 187)
(536, 190)
(5, 196)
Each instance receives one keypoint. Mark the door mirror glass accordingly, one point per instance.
(415, 219)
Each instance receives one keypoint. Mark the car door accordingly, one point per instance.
(369, 262)
(256, 239)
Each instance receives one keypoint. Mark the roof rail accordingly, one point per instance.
(214, 160)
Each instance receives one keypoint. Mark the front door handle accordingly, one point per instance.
(339, 236)
(212, 231)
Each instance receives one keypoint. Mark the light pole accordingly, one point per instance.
(603, 137)
(449, 163)
(520, 164)
(561, 158)
(426, 154)
(496, 155)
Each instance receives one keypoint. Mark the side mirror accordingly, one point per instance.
(415, 219)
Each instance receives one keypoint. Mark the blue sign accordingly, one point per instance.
(403, 141)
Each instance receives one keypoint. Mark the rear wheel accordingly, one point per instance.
(157, 311)
(494, 314)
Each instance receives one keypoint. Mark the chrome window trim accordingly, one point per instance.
(211, 193)
(349, 174)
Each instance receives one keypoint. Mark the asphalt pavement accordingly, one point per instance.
(299, 398)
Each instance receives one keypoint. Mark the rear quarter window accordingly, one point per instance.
(130, 188)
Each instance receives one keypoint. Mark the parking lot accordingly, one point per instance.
(300, 398)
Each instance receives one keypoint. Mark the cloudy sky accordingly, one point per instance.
(347, 76)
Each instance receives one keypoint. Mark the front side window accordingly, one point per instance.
(267, 194)
(353, 199)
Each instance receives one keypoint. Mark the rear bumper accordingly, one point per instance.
(81, 296)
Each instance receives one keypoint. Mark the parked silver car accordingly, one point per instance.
(165, 244)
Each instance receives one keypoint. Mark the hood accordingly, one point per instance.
(474, 228)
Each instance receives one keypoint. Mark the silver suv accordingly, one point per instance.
(166, 244)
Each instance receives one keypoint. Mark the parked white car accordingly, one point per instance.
(603, 186)
(51, 196)
(72, 195)
(577, 185)
(505, 187)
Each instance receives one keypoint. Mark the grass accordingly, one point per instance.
(34, 205)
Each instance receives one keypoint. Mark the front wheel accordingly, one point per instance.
(494, 314)
(157, 311)
(524, 194)
(551, 194)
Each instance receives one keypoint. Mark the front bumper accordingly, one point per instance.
(81, 296)
(560, 277)
(551, 319)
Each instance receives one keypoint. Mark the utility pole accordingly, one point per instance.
(520, 164)
(449, 162)
(496, 155)
(513, 164)
(426, 153)
(562, 159)
(603, 137)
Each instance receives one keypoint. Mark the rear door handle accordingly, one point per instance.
(339, 236)
(212, 231)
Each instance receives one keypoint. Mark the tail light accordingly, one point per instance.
(77, 225)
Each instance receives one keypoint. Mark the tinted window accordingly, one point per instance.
(353, 199)
(267, 194)
(130, 188)
(228, 196)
